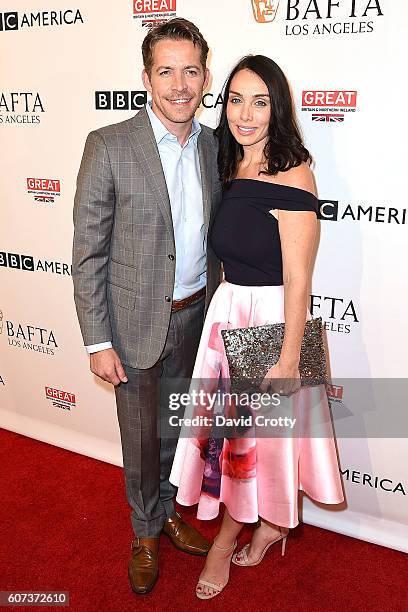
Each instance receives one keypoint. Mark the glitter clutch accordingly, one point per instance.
(252, 351)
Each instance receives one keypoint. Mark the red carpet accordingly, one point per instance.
(65, 526)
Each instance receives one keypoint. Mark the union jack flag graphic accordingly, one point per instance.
(151, 23)
(39, 198)
(61, 405)
(328, 118)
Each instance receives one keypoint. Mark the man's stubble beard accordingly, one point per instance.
(178, 117)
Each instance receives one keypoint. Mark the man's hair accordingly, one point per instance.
(175, 29)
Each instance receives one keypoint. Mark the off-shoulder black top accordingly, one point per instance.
(245, 235)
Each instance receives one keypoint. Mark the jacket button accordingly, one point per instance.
(167, 298)
(171, 257)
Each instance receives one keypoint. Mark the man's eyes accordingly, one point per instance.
(190, 72)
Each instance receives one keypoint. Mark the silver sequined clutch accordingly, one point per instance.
(252, 351)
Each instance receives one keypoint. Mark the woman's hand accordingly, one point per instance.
(282, 378)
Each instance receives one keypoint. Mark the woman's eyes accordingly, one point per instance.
(260, 103)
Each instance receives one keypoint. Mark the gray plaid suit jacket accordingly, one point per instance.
(123, 250)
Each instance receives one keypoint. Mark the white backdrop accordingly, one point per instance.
(56, 56)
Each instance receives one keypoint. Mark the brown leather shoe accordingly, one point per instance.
(185, 537)
(143, 565)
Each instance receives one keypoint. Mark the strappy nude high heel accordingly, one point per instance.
(216, 587)
(241, 558)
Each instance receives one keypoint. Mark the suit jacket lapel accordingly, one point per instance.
(204, 156)
(145, 147)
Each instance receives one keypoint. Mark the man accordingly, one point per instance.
(143, 275)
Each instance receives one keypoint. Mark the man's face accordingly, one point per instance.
(176, 81)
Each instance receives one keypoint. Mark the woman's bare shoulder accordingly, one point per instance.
(300, 177)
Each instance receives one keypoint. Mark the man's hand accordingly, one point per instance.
(107, 365)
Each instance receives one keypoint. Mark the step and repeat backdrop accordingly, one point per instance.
(71, 66)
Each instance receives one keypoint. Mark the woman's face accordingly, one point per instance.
(248, 108)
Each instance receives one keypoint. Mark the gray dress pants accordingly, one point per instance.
(147, 458)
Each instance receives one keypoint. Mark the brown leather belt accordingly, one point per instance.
(180, 304)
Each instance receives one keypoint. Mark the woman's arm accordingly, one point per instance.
(297, 231)
(297, 234)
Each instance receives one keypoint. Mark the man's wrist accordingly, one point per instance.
(100, 346)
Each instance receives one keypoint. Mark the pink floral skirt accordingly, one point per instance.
(255, 476)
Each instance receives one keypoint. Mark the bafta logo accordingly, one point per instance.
(265, 10)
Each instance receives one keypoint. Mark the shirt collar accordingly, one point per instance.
(160, 131)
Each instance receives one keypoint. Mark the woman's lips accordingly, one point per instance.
(245, 131)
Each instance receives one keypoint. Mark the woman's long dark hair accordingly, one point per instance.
(284, 148)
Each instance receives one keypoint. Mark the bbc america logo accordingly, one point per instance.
(11, 21)
(8, 21)
(120, 100)
(16, 261)
(328, 210)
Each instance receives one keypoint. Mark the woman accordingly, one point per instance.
(264, 233)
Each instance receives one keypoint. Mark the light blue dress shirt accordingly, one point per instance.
(181, 167)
